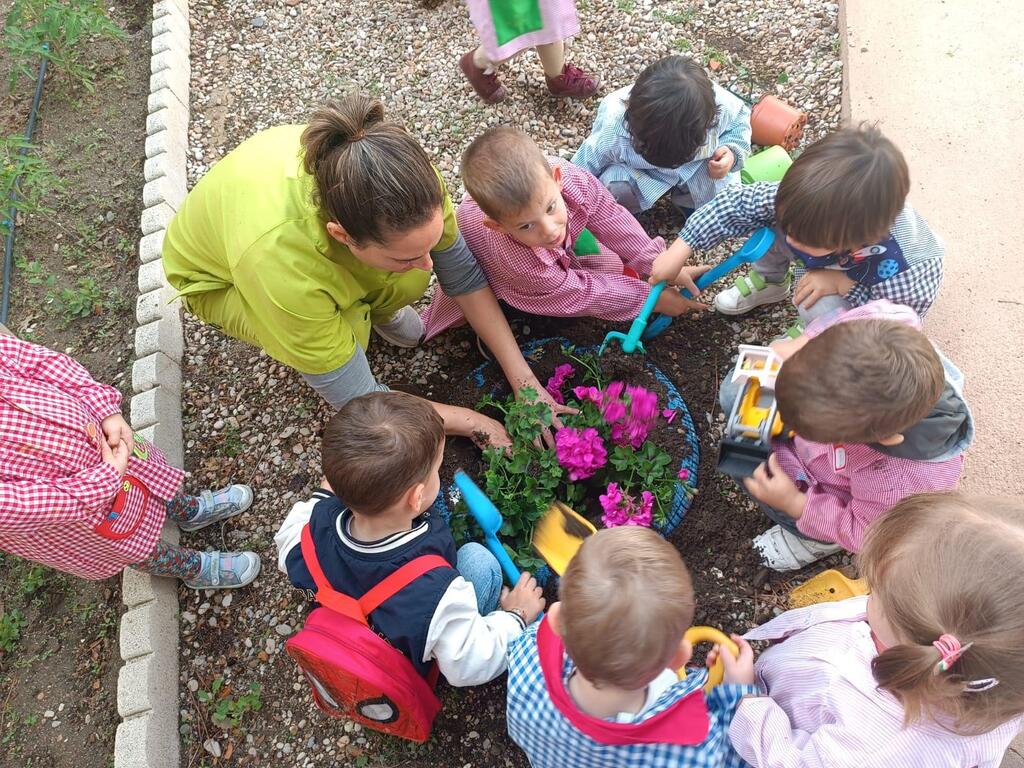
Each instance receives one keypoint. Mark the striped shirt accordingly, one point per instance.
(917, 270)
(54, 487)
(848, 486)
(554, 281)
(825, 710)
(608, 151)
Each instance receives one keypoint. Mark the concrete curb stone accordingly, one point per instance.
(147, 686)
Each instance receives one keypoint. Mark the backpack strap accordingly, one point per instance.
(359, 609)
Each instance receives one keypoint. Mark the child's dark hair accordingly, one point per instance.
(502, 169)
(378, 446)
(844, 191)
(372, 177)
(670, 110)
(860, 382)
(943, 563)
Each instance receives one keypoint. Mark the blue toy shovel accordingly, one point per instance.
(631, 340)
(489, 519)
(754, 248)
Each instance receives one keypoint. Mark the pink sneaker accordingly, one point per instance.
(486, 85)
(573, 83)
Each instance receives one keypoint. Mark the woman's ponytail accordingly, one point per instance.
(372, 177)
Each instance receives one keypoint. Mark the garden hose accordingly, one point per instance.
(12, 212)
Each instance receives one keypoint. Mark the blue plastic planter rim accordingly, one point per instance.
(681, 499)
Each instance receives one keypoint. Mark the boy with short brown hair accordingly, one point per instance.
(878, 415)
(594, 684)
(381, 455)
(526, 217)
(841, 219)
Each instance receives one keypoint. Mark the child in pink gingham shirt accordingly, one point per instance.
(80, 492)
(523, 218)
(878, 414)
(925, 672)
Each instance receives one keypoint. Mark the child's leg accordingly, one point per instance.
(209, 507)
(552, 58)
(480, 568)
(201, 570)
(172, 560)
(823, 306)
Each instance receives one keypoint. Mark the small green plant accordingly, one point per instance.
(11, 624)
(228, 712)
(232, 445)
(25, 175)
(32, 581)
(625, 5)
(685, 16)
(682, 44)
(783, 77)
(53, 29)
(85, 299)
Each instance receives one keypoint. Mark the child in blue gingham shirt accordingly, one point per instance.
(841, 220)
(673, 130)
(594, 684)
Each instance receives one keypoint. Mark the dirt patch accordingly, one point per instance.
(74, 290)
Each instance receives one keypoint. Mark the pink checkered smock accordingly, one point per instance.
(540, 21)
(60, 504)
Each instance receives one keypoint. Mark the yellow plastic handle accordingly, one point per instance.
(711, 635)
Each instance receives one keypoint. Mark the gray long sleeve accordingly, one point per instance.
(352, 379)
(457, 269)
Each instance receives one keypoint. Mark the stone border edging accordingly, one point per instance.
(147, 685)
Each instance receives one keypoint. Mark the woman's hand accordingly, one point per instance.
(543, 396)
(488, 432)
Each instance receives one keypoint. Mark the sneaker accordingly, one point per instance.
(225, 570)
(750, 292)
(404, 329)
(486, 84)
(215, 506)
(782, 550)
(573, 83)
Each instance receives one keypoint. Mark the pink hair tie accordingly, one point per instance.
(950, 650)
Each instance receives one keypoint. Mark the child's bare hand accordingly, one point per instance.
(673, 304)
(771, 485)
(487, 432)
(818, 283)
(721, 163)
(786, 348)
(525, 598)
(117, 457)
(739, 670)
(116, 429)
(669, 262)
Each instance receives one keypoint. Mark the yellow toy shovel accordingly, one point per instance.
(827, 587)
(710, 635)
(559, 535)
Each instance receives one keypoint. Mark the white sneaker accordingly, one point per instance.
(405, 329)
(781, 550)
(750, 292)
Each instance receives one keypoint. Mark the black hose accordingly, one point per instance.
(12, 211)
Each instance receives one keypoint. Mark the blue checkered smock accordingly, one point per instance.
(608, 152)
(551, 741)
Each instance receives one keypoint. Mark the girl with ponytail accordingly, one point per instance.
(927, 670)
(306, 237)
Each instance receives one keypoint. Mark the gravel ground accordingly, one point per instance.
(256, 65)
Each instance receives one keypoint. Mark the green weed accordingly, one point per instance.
(226, 711)
(685, 16)
(11, 624)
(25, 175)
(53, 29)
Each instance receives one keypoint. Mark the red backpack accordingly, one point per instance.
(354, 672)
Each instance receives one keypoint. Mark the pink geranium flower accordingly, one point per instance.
(593, 394)
(557, 381)
(669, 414)
(622, 509)
(580, 452)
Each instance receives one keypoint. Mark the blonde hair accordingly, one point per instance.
(950, 564)
(502, 169)
(627, 600)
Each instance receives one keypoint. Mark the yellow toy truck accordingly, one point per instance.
(753, 419)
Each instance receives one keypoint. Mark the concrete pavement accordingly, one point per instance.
(945, 79)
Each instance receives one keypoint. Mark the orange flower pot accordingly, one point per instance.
(773, 121)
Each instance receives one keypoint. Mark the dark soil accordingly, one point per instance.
(65, 660)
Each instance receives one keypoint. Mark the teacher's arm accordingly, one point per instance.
(462, 278)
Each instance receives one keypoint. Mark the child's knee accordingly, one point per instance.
(476, 562)
(727, 393)
(623, 193)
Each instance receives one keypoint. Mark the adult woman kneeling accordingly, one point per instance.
(304, 238)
